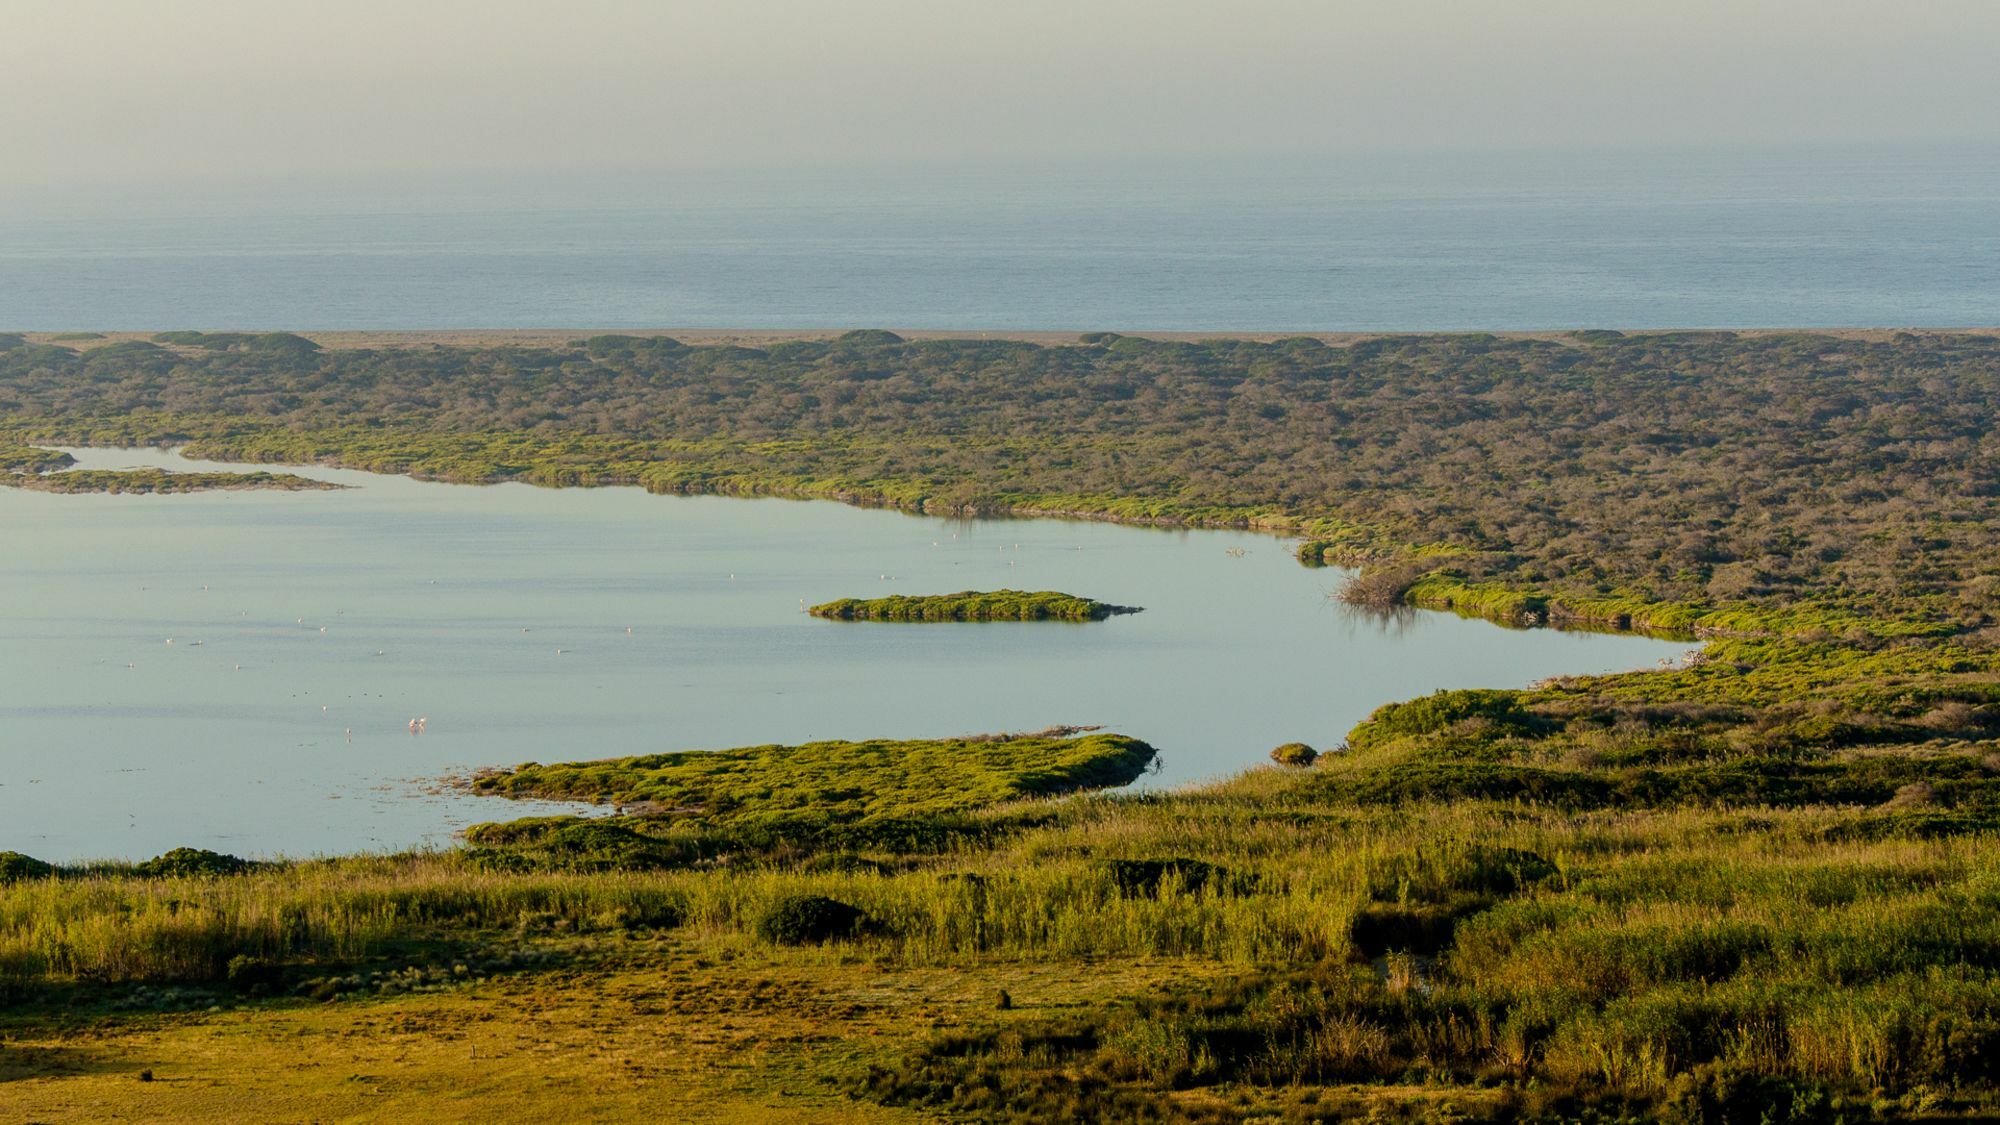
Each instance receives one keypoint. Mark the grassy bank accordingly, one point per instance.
(1515, 955)
(839, 781)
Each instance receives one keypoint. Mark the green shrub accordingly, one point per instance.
(1440, 711)
(809, 920)
(192, 861)
(1392, 928)
(15, 867)
(249, 974)
(1294, 754)
(1145, 877)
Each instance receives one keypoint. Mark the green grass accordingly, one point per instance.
(971, 605)
(1509, 955)
(836, 781)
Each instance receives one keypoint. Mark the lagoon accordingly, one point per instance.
(545, 625)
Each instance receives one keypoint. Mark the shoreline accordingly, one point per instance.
(1508, 607)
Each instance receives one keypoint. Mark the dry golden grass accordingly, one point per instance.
(681, 1038)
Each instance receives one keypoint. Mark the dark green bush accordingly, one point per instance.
(1144, 877)
(1391, 928)
(809, 920)
(662, 912)
(192, 861)
(249, 974)
(15, 867)
(1294, 754)
(1441, 710)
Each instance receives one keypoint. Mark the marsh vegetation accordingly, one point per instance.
(1762, 884)
(971, 605)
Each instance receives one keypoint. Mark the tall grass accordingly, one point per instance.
(1437, 943)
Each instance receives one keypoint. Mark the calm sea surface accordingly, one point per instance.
(1808, 237)
(502, 613)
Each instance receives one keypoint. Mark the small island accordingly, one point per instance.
(972, 605)
(157, 481)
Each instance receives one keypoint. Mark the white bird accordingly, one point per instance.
(239, 667)
(322, 630)
(170, 640)
(628, 630)
(378, 652)
(422, 723)
(350, 736)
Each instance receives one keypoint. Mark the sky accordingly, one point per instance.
(120, 90)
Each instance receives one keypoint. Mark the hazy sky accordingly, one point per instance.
(116, 89)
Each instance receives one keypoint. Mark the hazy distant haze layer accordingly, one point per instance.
(131, 90)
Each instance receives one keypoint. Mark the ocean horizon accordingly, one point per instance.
(1809, 238)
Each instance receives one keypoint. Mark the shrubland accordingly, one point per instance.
(1761, 885)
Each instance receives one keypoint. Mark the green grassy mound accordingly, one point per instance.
(837, 781)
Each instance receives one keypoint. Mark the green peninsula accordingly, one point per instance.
(839, 781)
(972, 605)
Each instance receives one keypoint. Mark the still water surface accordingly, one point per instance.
(502, 613)
(1721, 238)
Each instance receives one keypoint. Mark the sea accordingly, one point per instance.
(1725, 238)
